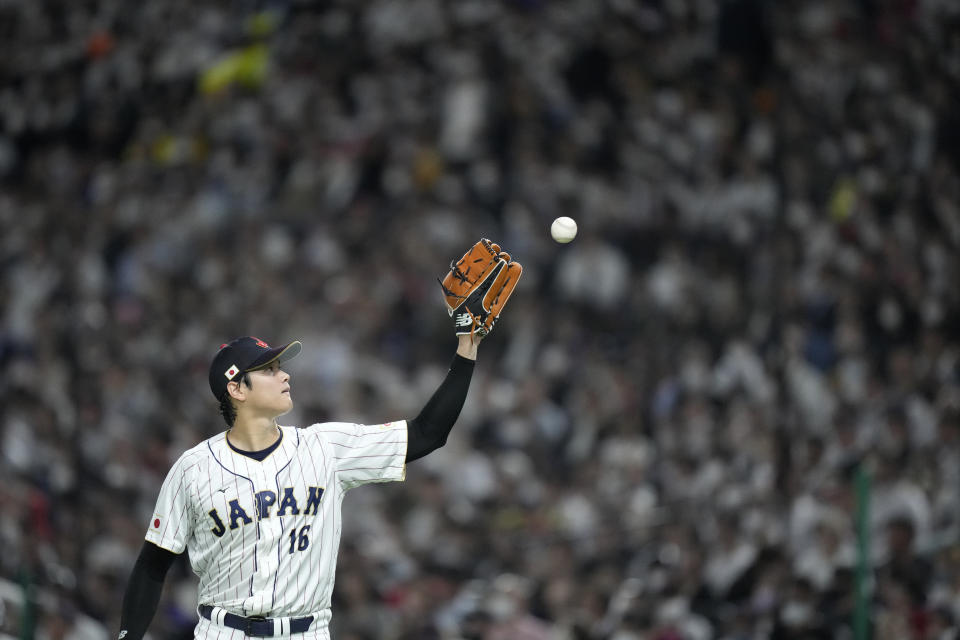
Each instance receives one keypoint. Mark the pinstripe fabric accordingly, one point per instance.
(263, 536)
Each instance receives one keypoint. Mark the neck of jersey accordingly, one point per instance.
(259, 456)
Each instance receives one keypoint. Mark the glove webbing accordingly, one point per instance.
(459, 275)
(448, 292)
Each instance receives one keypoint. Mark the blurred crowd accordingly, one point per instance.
(729, 409)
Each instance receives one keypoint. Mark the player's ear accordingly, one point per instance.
(236, 390)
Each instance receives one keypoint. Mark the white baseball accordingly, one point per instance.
(563, 229)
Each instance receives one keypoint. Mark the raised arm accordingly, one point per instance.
(429, 430)
(476, 289)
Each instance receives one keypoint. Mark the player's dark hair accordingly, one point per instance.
(227, 410)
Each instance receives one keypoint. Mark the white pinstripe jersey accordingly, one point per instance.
(263, 536)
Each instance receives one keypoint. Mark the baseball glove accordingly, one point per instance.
(478, 286)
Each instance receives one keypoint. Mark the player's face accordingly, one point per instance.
(269, 391)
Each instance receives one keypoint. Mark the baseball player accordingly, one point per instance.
(257, 507)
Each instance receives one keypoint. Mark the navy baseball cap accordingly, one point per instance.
(245, 354)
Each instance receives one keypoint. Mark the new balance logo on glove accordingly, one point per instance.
(464, 320)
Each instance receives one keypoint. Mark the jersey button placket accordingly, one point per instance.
(267, 541)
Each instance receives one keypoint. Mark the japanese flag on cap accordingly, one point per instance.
(245, 354)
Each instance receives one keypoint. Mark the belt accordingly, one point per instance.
(256, 626)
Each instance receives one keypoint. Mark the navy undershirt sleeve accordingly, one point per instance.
(143, 590)
(429, 430)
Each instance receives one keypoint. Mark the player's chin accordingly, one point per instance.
(287, 406)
